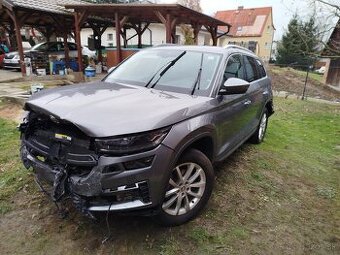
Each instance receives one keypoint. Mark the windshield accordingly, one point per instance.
(40, 46)
(181, 76)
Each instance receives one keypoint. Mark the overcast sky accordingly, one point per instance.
(283, 10)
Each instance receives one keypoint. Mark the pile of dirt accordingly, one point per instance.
(11, 111)
(287, 79)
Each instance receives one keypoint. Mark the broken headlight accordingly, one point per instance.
(132, 143)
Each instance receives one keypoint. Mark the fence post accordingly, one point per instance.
(304, 88)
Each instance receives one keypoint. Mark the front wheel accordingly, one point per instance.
(259, 134)
(188, 190)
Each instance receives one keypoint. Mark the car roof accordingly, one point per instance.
(210, 49)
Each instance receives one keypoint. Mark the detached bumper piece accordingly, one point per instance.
(124, 198)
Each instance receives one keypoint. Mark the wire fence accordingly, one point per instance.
(303, 81)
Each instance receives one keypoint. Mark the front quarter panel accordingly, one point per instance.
(186, 132)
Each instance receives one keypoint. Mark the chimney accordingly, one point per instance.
(240, 8)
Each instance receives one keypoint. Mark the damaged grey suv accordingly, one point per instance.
(145, 138)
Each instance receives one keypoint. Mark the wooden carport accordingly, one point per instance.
(140, 16)
(47, 16)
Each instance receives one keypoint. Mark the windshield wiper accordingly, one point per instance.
(167, 67)
(198, 79)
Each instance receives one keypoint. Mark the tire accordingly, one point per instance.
(260, 132)
(183, 201)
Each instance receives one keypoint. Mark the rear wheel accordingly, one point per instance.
(260, 133)
(189, 189)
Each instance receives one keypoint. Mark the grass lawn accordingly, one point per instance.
(312, 75)
(280, 197)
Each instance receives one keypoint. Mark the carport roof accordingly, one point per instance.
(42, 13)
(53, 6)
(146, 12)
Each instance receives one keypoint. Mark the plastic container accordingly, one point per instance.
(90, 71)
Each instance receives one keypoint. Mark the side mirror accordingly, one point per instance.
(234, 86)
(111, 69)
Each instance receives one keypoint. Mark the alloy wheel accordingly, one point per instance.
(186, 187)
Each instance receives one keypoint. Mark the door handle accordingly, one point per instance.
(248, 102)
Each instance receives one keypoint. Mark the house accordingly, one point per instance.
(155, 35)
(331, 54)
(251, 28)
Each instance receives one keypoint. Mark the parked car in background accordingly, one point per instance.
(145, 138)
(321, 70)
(11, 59)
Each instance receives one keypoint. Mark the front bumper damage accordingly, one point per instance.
(96, 182)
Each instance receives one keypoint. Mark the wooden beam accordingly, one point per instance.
(124, 20)
(160, 17)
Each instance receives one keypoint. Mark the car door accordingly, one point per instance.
(255, 92)
(230, 117)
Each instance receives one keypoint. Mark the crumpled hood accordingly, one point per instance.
(104, 109)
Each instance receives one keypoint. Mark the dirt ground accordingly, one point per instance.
(289, 80)
(268, 199)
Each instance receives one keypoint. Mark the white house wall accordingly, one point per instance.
(158, 36)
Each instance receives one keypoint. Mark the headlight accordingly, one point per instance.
(132, 143)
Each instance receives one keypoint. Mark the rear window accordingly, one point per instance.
(254, 69)
(260, 68)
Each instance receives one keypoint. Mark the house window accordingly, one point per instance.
(177, 39)
(110, 44)
(268, 29)
(110, 37)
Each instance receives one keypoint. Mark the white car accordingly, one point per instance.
(321, 70)
(11, 59)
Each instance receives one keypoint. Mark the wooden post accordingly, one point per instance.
(17, 26)
(213, 32)
(168, 28)
(139, 32)
(196, 29)
(118, 44)
(66, 49)
(78, 41)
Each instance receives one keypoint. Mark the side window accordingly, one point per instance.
(251, 69)
(72, 46)
(260, 69)
(53, 47)
(234, 68)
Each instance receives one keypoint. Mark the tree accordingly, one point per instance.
(299, 45)
(187, 31)
(329, 21)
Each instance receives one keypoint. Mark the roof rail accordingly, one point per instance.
(237, 47)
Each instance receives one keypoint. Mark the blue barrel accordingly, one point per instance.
(90, 71)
